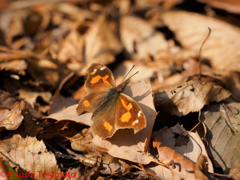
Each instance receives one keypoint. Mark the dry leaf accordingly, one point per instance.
(30, 154)
(183, 151)
(190, 97)
(101, 42)
(30, 96)
(223, 137)
(235, 172)
(12, 119)
(221, 48)
(201, 168)
(232, 6)
(140, 39)
(15, 66)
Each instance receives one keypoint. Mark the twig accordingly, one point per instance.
(199, 55)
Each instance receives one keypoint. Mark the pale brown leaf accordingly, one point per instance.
(201, 168)
(222, 122)
(221, 48)
(190, 97)
(232, 6)
(138, 35)
(235, 172)
(30, 154)
(31, 96)
(15, 66)
(11, 119)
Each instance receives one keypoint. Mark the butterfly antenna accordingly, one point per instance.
(131, 76)
(128, 73)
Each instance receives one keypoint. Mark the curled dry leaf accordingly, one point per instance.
(15, 66)
(232, 6)
(183, 151)
(223, 135)
(30, 154)
(201, 168)
(190, 97)
(184, 169)
(30, 96)
(140, 38)
(221, 48)
(11, 119)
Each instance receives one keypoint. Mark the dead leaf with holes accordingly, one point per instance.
(30, 154)
(222, 121)
(182, 149)
(221, 48)
(190, 97)
(11, 119)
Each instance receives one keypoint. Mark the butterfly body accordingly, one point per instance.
(111, 108)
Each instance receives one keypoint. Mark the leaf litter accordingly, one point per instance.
(192, 124)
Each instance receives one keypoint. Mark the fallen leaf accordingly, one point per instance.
(222, 122)
(201, 168)
(222, 46)
(15, 66)
(30, 154)
(232, 6)
(31, 96)
(101, 42)
(190, 97)
(183, 149)
(235, 172)
(182, 168)
(140, 39)
(11, 119)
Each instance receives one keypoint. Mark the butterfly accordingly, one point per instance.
(112, 110)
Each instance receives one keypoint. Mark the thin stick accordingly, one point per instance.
(199, 55)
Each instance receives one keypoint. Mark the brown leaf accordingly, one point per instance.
(235, 172)
(222, 122)
(15, 66)
(175, 145)
(201, 168)
(190, 97)
(31, 96)
(232, 6)
(182, 167)
(70, 113)
(222, 46)
(30, 154)
(12, 119)
(140, 39)
(101, 42)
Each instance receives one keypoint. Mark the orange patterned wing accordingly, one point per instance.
(98, 84)
(104, 120)
(99, 78)
(129, 114)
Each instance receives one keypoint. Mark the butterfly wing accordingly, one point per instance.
(104, 119)
(98, 84)
(99, 78)
(129, 114)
